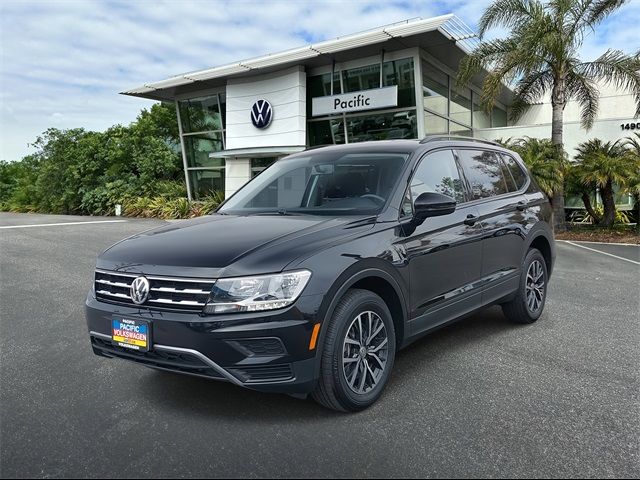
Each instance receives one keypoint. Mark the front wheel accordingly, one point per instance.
(358, 354)
(529, 301)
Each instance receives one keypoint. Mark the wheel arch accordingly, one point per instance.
(367, 276)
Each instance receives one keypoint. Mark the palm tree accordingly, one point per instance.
(541, 56)
(633, 149)
(603, 164)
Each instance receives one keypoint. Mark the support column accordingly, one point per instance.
(237, 173)
(184, 154)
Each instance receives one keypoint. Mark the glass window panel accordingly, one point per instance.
(460, 108)
(401, 73)
(320, 86)
(481, 118)
(200, 114)
(456, 129)
(484, 173)
(515, 170)
(383, 126)
(498, 117)
(198, 148)
(435, 125)
(435, 89)
(325, 132)
(205, 182)
(362, 78)
(438, 173)
(223, 109)
(259, 164)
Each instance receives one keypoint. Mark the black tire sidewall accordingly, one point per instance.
(343, 392)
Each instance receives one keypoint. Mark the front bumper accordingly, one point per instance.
(266, 351)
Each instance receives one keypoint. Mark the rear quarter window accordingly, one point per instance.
(515, 170)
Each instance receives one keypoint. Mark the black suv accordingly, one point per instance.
(311, 277)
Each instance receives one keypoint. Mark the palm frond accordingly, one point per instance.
(509, 14)
(617, 68)
(584, 91)
(529, 90)
(600, 10)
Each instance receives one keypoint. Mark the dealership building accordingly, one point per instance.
(396, 81)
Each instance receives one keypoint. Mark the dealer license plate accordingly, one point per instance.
(133, 334)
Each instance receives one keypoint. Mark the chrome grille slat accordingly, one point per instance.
(186, 290)
(112, 294)
(114, 284)
(172, 302)
(176, 293)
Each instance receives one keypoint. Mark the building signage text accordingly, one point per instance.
(355, 101)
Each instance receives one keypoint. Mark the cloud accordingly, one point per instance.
(63, 62)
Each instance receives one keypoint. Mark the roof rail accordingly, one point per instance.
(436, 138)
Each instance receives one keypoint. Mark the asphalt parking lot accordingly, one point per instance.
(559, 398)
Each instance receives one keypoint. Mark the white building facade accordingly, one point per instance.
(397, 81)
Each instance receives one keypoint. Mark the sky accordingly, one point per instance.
(63, 63)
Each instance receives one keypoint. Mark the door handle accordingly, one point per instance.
(521, 205)
(470, 220)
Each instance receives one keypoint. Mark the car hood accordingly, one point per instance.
(209, 246)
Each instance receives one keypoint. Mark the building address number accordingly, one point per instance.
(630, 126)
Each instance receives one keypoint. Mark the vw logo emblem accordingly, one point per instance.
(261, 114)
(139, 290)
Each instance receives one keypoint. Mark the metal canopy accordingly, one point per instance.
(258, 152)
(436, 35)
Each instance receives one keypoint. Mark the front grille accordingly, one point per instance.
(267, 373)
(178, 361)
(165, 292)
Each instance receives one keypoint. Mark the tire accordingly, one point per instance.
(358, 383)
(534, 279)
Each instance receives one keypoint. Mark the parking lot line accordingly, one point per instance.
(601, 252)
(61, 224)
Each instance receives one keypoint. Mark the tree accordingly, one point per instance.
(633, 183)
(603, 164)
(540, 56)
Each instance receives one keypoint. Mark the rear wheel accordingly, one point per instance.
(529, 302)
(358, 355)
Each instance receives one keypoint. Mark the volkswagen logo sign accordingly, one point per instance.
(139, 291)
(261, 114)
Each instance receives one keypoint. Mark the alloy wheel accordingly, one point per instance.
(365, 352)
(535, 286)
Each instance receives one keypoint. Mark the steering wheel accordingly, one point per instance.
(377, 198)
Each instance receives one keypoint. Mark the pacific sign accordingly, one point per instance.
(355, 101)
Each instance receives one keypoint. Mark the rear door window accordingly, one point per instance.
(484, 172)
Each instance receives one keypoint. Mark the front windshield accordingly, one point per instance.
(321, 183)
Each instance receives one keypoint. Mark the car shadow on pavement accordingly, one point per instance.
(211, 399)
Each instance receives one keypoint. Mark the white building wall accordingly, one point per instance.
(285, 91)
(615, 108)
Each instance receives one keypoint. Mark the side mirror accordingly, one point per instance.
(431, 204)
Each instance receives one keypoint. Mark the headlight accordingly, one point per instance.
(253, 294)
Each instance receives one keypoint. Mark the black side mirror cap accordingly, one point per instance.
(432, 204)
